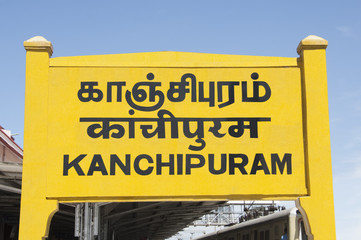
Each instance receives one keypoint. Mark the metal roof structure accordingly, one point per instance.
(157, 220)
(134, 220)
(11, 156)
(268, 218)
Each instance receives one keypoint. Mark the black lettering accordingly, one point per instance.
(211, 97)
(97, 164)
(238, 130)
(74, 164)
(179, 164)
(88, 93)
(259, 159)
(275, 160)
(169, 164)
(193, 86)
(215, 129)
(139, 94)
(256, 87)
(96, 130)
(177, 90)
(198, 148)
(137, 168)
(230, 86)
(119, 90)
(199, 132)
(190, 165)
(114, 160)
(240, 166)
(223, 167)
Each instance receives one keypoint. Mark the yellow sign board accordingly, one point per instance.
(174, 126)
(159, 132)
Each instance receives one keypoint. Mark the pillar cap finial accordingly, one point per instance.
(38, 43)
(312, 42)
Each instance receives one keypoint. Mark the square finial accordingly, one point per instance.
(38, 43)
(312, 42)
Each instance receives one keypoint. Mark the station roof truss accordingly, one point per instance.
(153, 220)
(11, 156)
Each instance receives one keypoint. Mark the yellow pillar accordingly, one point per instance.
(36, 212)
(318, 207)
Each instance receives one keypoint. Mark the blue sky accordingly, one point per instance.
(267, 28)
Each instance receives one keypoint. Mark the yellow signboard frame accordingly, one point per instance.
(314, 197)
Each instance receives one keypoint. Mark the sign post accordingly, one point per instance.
(36, 210)
(171, 126)
(318, 205)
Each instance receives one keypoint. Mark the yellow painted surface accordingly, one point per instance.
(172, 59)
(67, 135)
(36, 210)
(60, 117)
(318, 207)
